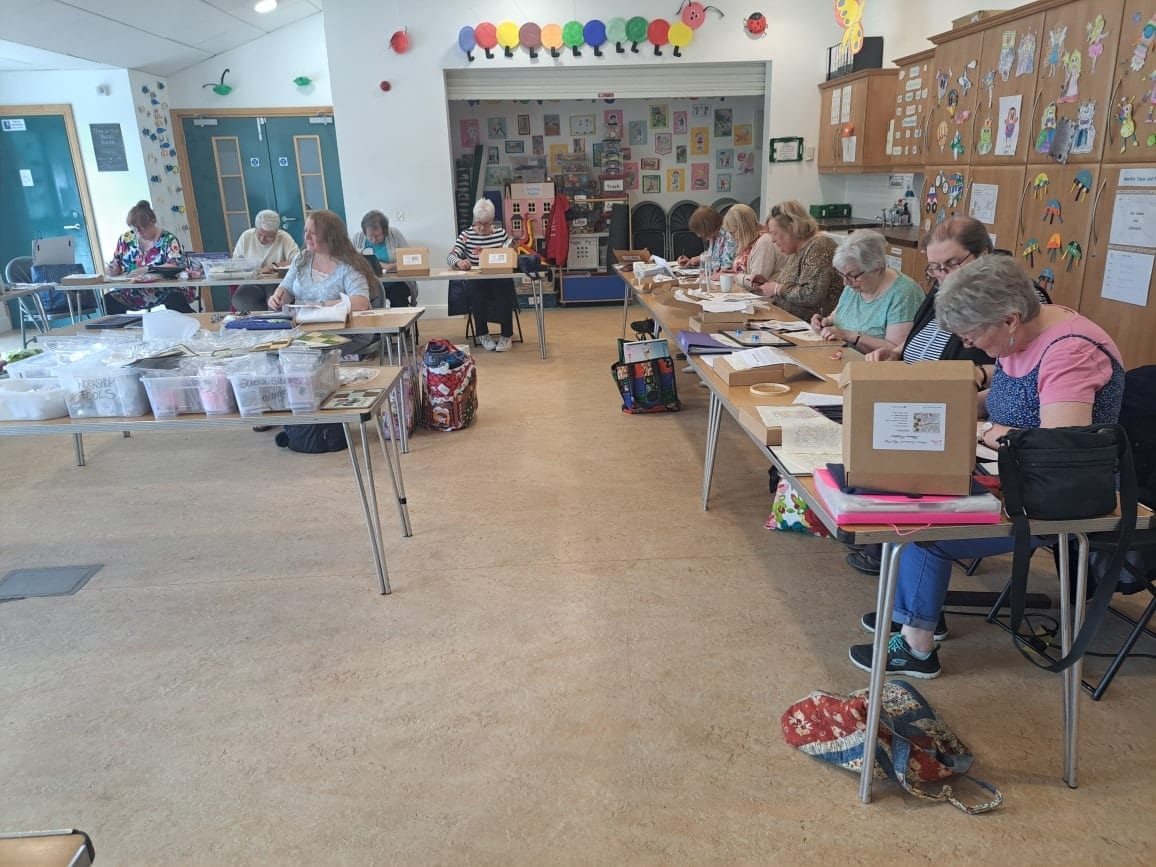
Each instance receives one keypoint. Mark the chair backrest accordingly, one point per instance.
(19, 270)
(724, 204)
(1138, 418)
(648, 228)
(683, 242)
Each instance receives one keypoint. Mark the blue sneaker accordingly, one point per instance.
(900, 659)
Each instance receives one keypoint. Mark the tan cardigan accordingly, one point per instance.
(810, 284)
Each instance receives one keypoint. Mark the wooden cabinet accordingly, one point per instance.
(954, 95)
(942, 195)
(993, 198)
(855, 111)
(914, 98)
(1134, 91)
(1120, 256)
(1079, 85)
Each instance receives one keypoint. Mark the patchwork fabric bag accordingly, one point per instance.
(449, 385)
(915, 746)
(790, 513)
(646, 386)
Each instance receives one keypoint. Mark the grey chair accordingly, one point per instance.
(28, 309)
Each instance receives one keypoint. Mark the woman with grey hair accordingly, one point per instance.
(878, 303)
(1054, 368)
(490, 300)
(379, 239)
(268, 244)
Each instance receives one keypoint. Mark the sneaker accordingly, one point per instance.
(503, 344)
(688, 369)
(487, 343)
(861, 561)
(867, 621)
(900, 659)
(261, 428)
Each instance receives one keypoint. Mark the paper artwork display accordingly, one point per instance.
(699, 141)
(722, 183)
(680, 153)
(1026, 54)
(675, 180)
(700, 110)
(538, 145)
(557, 151)
(493, 155)
(652, 184)
(596, 152)
(630, 175)
(495, 127)
(699, 177)
(1085, 137)
(662, 143)
(612, 119)
(497, 176)
(678, 123)
(659, 116)
(638, 132)
(1127, 277)
(515, 146)
(723, 123)
(1007, 54)
(650, 164)
(579, 146)
(470, 132)
(1009, 125)
(551, 125)
(744, 135)
(724, 159)
(582, 124)
(353, 398)
(523, 124)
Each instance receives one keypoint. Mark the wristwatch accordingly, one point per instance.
(983, 429)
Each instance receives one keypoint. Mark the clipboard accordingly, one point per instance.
(757, 337)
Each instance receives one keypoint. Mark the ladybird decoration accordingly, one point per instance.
(755, 25)
(399, 42)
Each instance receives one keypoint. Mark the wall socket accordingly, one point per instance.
(809, 153)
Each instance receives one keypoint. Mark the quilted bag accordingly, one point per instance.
(915, 746)
(449, 385)
(646, 386)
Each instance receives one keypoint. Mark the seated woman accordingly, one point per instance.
(719, 254)
(493, 299)
(268, 244)
(378, 238)
(757, 259)
(143, 245)
(878, 303)
(1054, 368)
(808, 284)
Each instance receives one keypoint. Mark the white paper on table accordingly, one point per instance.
(809, 336)
(1127, 277)
(804, 463)
(725, 306)
(812, 398)
(815, 436)
(1134, 220)
(772, 416)
(760, 356)
(708, 360)
(983, 201)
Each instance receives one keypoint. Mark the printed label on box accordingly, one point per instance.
(498, 259)
(411, 259)
(909, 427)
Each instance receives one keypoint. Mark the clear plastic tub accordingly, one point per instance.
(215, 391)
(227, 270)
(172, 395)
(299, 381)
(31, 400)
(34, 367)
(102, 392)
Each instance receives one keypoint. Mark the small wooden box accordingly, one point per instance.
(498, 260)
(732, 377)
(412, 261)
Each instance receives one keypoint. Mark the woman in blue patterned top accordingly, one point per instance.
(327, 268)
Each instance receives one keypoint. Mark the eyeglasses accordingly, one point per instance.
(937, 269)
(850, 278)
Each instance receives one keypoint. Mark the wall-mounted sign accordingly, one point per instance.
(108, 146)
(786, 150)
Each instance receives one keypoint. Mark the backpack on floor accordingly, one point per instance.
(449, 386)
(312, 439)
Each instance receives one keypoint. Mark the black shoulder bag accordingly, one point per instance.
(1064, 474)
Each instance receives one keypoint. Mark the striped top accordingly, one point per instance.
(927, 344)
(470, 244)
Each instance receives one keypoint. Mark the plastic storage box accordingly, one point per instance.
(171, 393)
(92, 391)
(299, 381)
(34, 367)
(31, 400)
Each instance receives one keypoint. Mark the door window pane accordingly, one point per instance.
(231, 186)
(234, 192)
(309, 154)
(313, 190)
(228, 158)
(310, 172)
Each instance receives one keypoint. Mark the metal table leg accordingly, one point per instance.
(884, 602)
(78, 441)
(368, 494)
(1071, 618)
(625, 306)
(394, 463)
(540, 312)
(713, 418)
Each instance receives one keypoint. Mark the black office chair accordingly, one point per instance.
(648, 228)
(473, 338)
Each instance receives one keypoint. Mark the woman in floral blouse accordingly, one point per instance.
(143, 245)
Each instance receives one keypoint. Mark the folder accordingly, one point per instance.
(699, 343)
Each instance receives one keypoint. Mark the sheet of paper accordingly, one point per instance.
(909, 427)
(805, 463)
(815, 436)
(1127, 277)
(836, 105)
(1008, 122)
(849, 149)
(1134, 220)
(725, 306)
(811, 398)
(983, 201)
(845, 109)
(708, 360)
(1137, 178)
(807, 336)
(781, 325)
(772, 416)
(760, 356)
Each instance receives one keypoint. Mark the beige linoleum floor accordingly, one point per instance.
(577, 666)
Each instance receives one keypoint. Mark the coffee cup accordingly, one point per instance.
(726, 282)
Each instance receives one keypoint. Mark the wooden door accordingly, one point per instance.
(1056, 217)
(825, 151)
(1131, 118)
(1076, 79)
(953, 95)
(1118, 275)
(914, 99)
(1010, 59)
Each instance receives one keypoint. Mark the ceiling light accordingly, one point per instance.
(262, 7)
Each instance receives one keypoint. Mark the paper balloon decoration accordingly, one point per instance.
(636, 32)
(595, 35)
(399, 42)
(508, 37)
(487, 36)
(572, 36)
(467, 42)
(531, 38)
(552, 38)
(616, 33)
(658, 33)
(680, 36)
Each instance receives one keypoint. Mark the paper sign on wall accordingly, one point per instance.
(845, 112)
(1127, 277)
(836, 105)
(848, 149)
(1134, 220)
(1137, 178)
(25, 177)
(983, 202)
(910, 427)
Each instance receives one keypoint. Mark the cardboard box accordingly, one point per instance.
(734, 324)
(412, 261)
(973, 17)
(629, 257)
(498, 260)
(752, 376)
(909, 428)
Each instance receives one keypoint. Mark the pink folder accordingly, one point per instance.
(918, 511)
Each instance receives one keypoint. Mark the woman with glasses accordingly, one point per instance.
(808, 284)
(491, 299)
(878, 303)
(757, 259)
(143, 245)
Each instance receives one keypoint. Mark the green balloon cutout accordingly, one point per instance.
(636, 31)
(616, 33)
(572, 36)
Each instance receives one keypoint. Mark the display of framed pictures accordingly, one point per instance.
(495, 127)
(515, 146)
(652, 184)
(659, 116)
(723, 122)
(582, 124)
(551, 125)
(523, 124)
(638, 132)
(493, 156)
(650, 164)
(722, 183)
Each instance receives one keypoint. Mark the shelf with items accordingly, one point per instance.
(586, 278)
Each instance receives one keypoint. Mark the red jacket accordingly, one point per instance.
(558, 237)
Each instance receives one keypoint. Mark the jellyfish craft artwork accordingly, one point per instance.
(572, 36)
(659, 34)
(595, 35)
(508, 37)
(467, 42)
(680, 37)
(487, 36)
(636, 32)
(552, 38)
(616, 33)
(530, 36)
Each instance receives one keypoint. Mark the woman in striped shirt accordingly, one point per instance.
(489, 299)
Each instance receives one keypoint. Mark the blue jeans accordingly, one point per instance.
(924, 573)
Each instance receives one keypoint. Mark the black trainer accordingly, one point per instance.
(862, 561)
(867, 621)
(900, 659)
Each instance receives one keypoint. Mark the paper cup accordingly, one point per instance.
(726, 282)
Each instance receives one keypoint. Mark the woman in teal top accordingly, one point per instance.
(878, 303)
(378, 238)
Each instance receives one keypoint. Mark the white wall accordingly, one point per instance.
(262, 72)
(111, 193)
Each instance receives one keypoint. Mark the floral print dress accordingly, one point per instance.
(166, 250)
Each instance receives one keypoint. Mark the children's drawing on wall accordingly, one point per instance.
(699, 141)
(986, 138)
(700, 110)
(659, 116)
(662, 143)
(596, 151)
(651, 164)
(1007, 54)
(744, 135)
(470, 132)
(497, 176)
(1056, 37)
(1009, 128)
(680, 153)
(579, 146)
(630, 176)
(1085, 136)
(1047, 128)
(557, 151)
(1026, 54)
(493, 156)
(723, 122)
(700, 177)
(1072, 63)
(523, 124)
(612, 119)
(675, 180)
(1097, 29)
(724, 159)
(551, 125)
(678, 123)
(722, 183)
(496, 127)
(745, 160)
(538, 145)
(638, 132)
(652, 184)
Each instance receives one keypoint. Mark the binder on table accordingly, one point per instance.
(701, 343)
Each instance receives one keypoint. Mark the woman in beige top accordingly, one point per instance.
(757, 259)
(809, 284)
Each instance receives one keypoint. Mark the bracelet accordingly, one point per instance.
(855, 342)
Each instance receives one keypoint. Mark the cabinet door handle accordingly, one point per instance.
(1096, 207)
(74, 226)
(1111, 108)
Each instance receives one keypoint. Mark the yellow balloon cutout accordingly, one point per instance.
(508, 37)
(680, 36)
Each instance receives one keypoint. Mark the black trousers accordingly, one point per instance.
(492, 301)
(397, 293)
(174, 300)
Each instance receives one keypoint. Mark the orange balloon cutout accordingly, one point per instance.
(487, 36)
(508, 37)
(552, 38)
